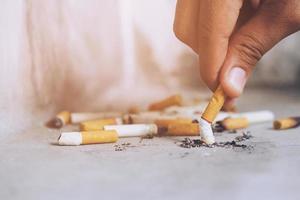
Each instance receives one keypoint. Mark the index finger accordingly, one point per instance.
(216, 22)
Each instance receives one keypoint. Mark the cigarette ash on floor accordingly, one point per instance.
(236, 143)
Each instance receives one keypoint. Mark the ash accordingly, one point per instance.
(194, 143)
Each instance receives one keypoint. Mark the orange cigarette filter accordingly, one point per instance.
(99, 137)
(175, 100)
(95, 125)
(167, 122)
(235, 123)
(214, 106)
(60, 120)
(286, 123)
(191, 129)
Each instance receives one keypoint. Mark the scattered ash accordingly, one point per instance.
(123, 146)
(193, 143)
(150, 136)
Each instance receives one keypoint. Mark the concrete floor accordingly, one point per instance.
(32, 167)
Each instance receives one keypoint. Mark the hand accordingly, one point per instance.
(230, 36)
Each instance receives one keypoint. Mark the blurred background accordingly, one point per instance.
(104, 55)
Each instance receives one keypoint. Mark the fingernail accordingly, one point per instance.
(237, 78)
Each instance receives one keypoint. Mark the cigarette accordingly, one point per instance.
(183, 129)
(213, 108)
(243, 120)
(286, 123)
(133, 130)
(185, 110)
(175, 100)
(95, 125)
(60, 120)
(144, 118)
(82, 117)
(163, 124)
(85, 137)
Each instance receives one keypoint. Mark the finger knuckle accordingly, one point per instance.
(250, 50)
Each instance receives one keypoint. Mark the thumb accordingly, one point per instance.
(250, 43)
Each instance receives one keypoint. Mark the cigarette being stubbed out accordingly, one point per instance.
(286, 123)
(213, 108)
(109, 134)
(243, 120)
(175, 100)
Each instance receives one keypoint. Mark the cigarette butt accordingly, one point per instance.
(243, 120)
(87, 137)
(60, 120)
(144, 118)
(167, 122)
(233, 124)
(214, 106)
(286, 123)
(82, 117)
(191, 129)
(95, 125)
(175, 100)
(133, 130)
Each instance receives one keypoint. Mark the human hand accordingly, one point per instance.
(230, 36)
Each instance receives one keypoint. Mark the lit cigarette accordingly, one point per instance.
(60, 120)
(95, 125)
(133, 130)
(287, 123)
(183, 129)
(92, 137)
(213, 108)
(243, 120)
(175, 100)
(82, 117)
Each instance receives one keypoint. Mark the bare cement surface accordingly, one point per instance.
(33, 167)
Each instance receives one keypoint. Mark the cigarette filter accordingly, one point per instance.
(175, 100)
(82, 117)
(87, 137)
(286, 123)
(167, 122)
(144, 118)
(133, 130)
(60, 120)
(214, 106)
(231, 124)
(184, 129)
(95, 125)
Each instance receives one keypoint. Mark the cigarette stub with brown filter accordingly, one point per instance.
(286, 123)
(175, 100)
(95, 125)
(214, 106)
(60, 120)
(163, 124)
(87, 137)
(191, 129)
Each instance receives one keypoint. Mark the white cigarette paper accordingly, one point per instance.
(133, 130)
(70, 138)
(206, 131)
(257, 116)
